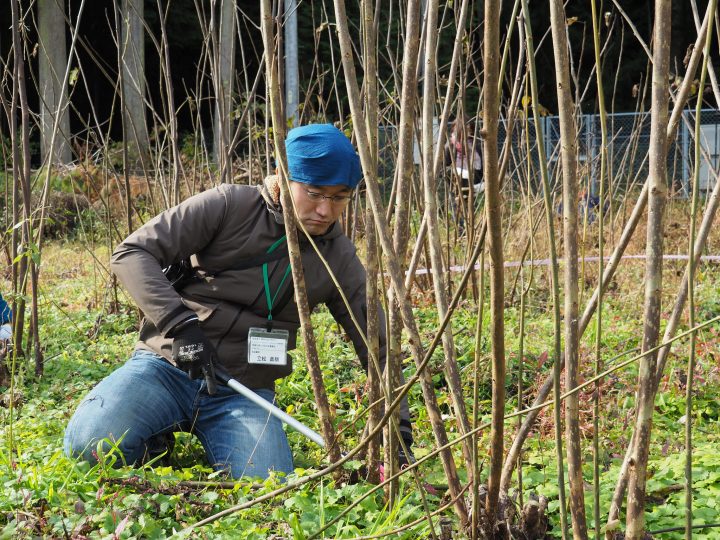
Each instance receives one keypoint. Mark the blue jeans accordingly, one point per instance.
(148, 397)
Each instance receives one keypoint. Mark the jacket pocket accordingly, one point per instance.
(215, 319)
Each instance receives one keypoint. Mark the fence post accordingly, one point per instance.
(591, 151)
(713, 165)
(292, 86)
(685, 154)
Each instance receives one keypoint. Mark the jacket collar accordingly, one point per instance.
(270, 191)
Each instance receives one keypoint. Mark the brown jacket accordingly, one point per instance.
(221, 228)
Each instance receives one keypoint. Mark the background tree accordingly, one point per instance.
(292, 72)
(493, 216)
(222, 29)
(133, 80)
(568, 152)
(52, 61)
(653, 274)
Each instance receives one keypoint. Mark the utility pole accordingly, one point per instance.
(292, 84)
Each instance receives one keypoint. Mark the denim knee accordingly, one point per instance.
(87, 437)
(242, 438)
(125, 410)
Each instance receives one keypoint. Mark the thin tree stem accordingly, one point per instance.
(601, 262)
(612, 266)
(394, 267)
(493, 219)
(691, 286)
(554, 265)
(301, 299)
(476, 400)
(657, 195)
(568, 134)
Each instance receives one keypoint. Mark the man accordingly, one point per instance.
(461, 145)
(241, 291)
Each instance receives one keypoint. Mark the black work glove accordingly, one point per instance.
(194, 354)
(406, 458)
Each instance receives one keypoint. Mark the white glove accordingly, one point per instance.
(5, 331)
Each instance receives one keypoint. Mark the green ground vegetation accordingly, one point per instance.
(45, 494)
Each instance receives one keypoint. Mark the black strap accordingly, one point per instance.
(190, 275)
(182, 273)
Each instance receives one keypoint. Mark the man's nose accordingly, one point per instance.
(324, 207)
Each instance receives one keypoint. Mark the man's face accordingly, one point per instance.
(316, 210)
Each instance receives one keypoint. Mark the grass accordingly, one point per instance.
(48, 495)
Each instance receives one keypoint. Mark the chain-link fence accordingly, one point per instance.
(628, 144)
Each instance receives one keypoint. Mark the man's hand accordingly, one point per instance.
(194, 354)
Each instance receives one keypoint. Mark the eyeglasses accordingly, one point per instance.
(334, 199)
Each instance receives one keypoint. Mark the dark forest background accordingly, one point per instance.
(624, 70)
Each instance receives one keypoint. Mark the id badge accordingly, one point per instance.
(268, 348)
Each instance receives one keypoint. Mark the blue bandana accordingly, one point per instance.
(321, 154)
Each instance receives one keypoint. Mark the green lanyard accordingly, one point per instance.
(268, 296)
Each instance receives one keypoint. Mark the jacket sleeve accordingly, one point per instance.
(353, 280)
(5, 311)
(172, 236)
